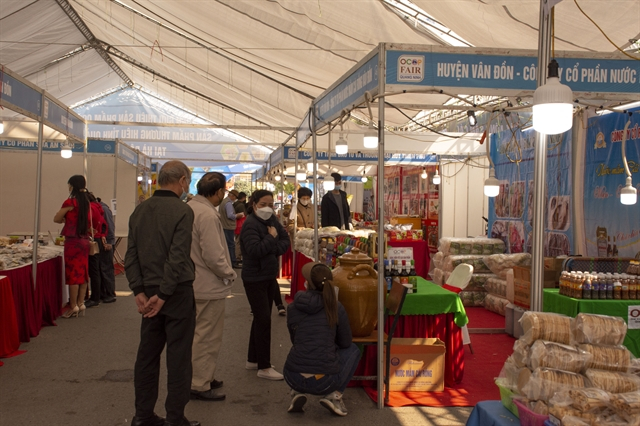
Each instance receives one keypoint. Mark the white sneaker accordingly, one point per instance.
(253, 365)
(297, 402)
(270, 374)
(333, 402)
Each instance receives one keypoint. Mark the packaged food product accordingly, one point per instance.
(500, 263)
(613, 381)
(589, 399)
(545, 326)
(557, 355)
(598, 329)
(495, 303)
(611, 358)
(545, 382)
(497, 286)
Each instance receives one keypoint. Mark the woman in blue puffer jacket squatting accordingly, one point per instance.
(323, 358)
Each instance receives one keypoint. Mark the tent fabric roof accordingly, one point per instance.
(259, 64)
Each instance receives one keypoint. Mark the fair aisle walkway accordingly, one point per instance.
(80, 373)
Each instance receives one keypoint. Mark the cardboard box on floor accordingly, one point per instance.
(522, 284)
(417, 365)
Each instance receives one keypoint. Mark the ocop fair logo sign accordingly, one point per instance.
(411, 68)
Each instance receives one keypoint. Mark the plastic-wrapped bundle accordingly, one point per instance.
(613, 381)
(521, 353)
(499, 264)
(476, 283)
(509, 374)
(495, 303)
(437, 259)
(557, 355)
(545, 326)
(497, 286)
(449, 263)
(611, 358)
(589, 399)
(626, 404)
(472, 298)
(438, 276)
(485, 246)
(598, 329)
(544, 382)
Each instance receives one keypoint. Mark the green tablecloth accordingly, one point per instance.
(431, 299)
(555, 302)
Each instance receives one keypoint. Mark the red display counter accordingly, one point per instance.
(9, 333)
(40, 307)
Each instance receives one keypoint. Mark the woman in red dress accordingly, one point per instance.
(75, 216)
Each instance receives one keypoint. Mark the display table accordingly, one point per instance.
(420, 254)
(431, 312)
(9, 333)
(553, 301)
(35, 308)
(286, 261)
(297, 280)
(491, 413)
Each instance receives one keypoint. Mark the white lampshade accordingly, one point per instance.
(277, 178)
(436, 178)
(370, 137)
(628, 194)
(328, 185)
(66, 150)
(342, 146)
(150, 181)
(492, 185)
(552, 105)
(423, 175)
(1, 127)
(310, 167)
(363, 178)
(301, 176)
(139, 178)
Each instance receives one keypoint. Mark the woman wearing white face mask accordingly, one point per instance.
(304, 210)
(262, 240)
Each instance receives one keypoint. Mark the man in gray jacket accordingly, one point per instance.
(160, 273)
(214, 276)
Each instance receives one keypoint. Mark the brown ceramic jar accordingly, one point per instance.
(357, 282)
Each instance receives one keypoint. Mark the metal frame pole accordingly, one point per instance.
(540, 168)
(36, 224)
(314, 151)
(381, 280)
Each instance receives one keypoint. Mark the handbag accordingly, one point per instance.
(93, 244)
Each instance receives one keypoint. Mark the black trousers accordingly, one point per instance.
(107, 273)
(175, 326)
(260, 295)
(94, 274)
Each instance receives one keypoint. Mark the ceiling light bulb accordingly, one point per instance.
(328, 185)
(342, 146)
(1, 127)
(423, 175)
(492, 185)
(301, 176)
(371, 137)
(552, 105)
(277, 178)
(66, 149)
(310, 167)
(150, 181)
(139, 178)
(471, 115)
(628, 194)
(436, 178)
(285, 180)
(363, 178)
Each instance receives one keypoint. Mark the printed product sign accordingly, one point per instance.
(633, 318)
(511, 212)
(611, 228)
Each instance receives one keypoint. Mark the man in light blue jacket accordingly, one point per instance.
(214, 277)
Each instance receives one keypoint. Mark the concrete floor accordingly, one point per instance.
(81, 373)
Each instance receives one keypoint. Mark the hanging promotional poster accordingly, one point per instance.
(611, 228)
(511, 212)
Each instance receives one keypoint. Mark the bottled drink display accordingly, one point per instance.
(592, 285)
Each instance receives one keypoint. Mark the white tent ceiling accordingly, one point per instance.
(260, 63)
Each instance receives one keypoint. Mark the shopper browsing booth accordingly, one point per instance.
(335, 207)
(323, 358)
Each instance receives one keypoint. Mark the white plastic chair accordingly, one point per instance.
(460, 278)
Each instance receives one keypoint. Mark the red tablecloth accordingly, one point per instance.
(297, 280)
(42, 306)
(441, 326)
(420, 255)
(287, 263)
(9, 334)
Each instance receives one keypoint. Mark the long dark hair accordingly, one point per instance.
(255, 197)
(79, 192)
(321, 282)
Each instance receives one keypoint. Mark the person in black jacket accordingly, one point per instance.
(323, 358)
(262, 240)
(335, 208)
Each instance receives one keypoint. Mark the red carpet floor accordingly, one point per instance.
(481, 368)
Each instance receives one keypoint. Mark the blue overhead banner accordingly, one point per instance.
(290, 154)
(304, 131)
(62, 119)
(101, 147)
(48, 146)
(21, 95)
(611, 229)
(511, 212)
(127, 154)
(439, 69)
(345, 94)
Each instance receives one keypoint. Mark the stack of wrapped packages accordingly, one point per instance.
(496, 286)
(472, 251)
(575, 371)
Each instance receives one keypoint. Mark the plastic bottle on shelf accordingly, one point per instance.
(387, 274)
(625, 287)
(563, 278)
(633, 288)
(586, 287)
(610, 287)
(404, 273)
(579, 286)
(617, 291)
(606, 281)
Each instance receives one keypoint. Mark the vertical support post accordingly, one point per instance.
(381, 281)
(36, 222)
(540, 168)
(314, 152)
